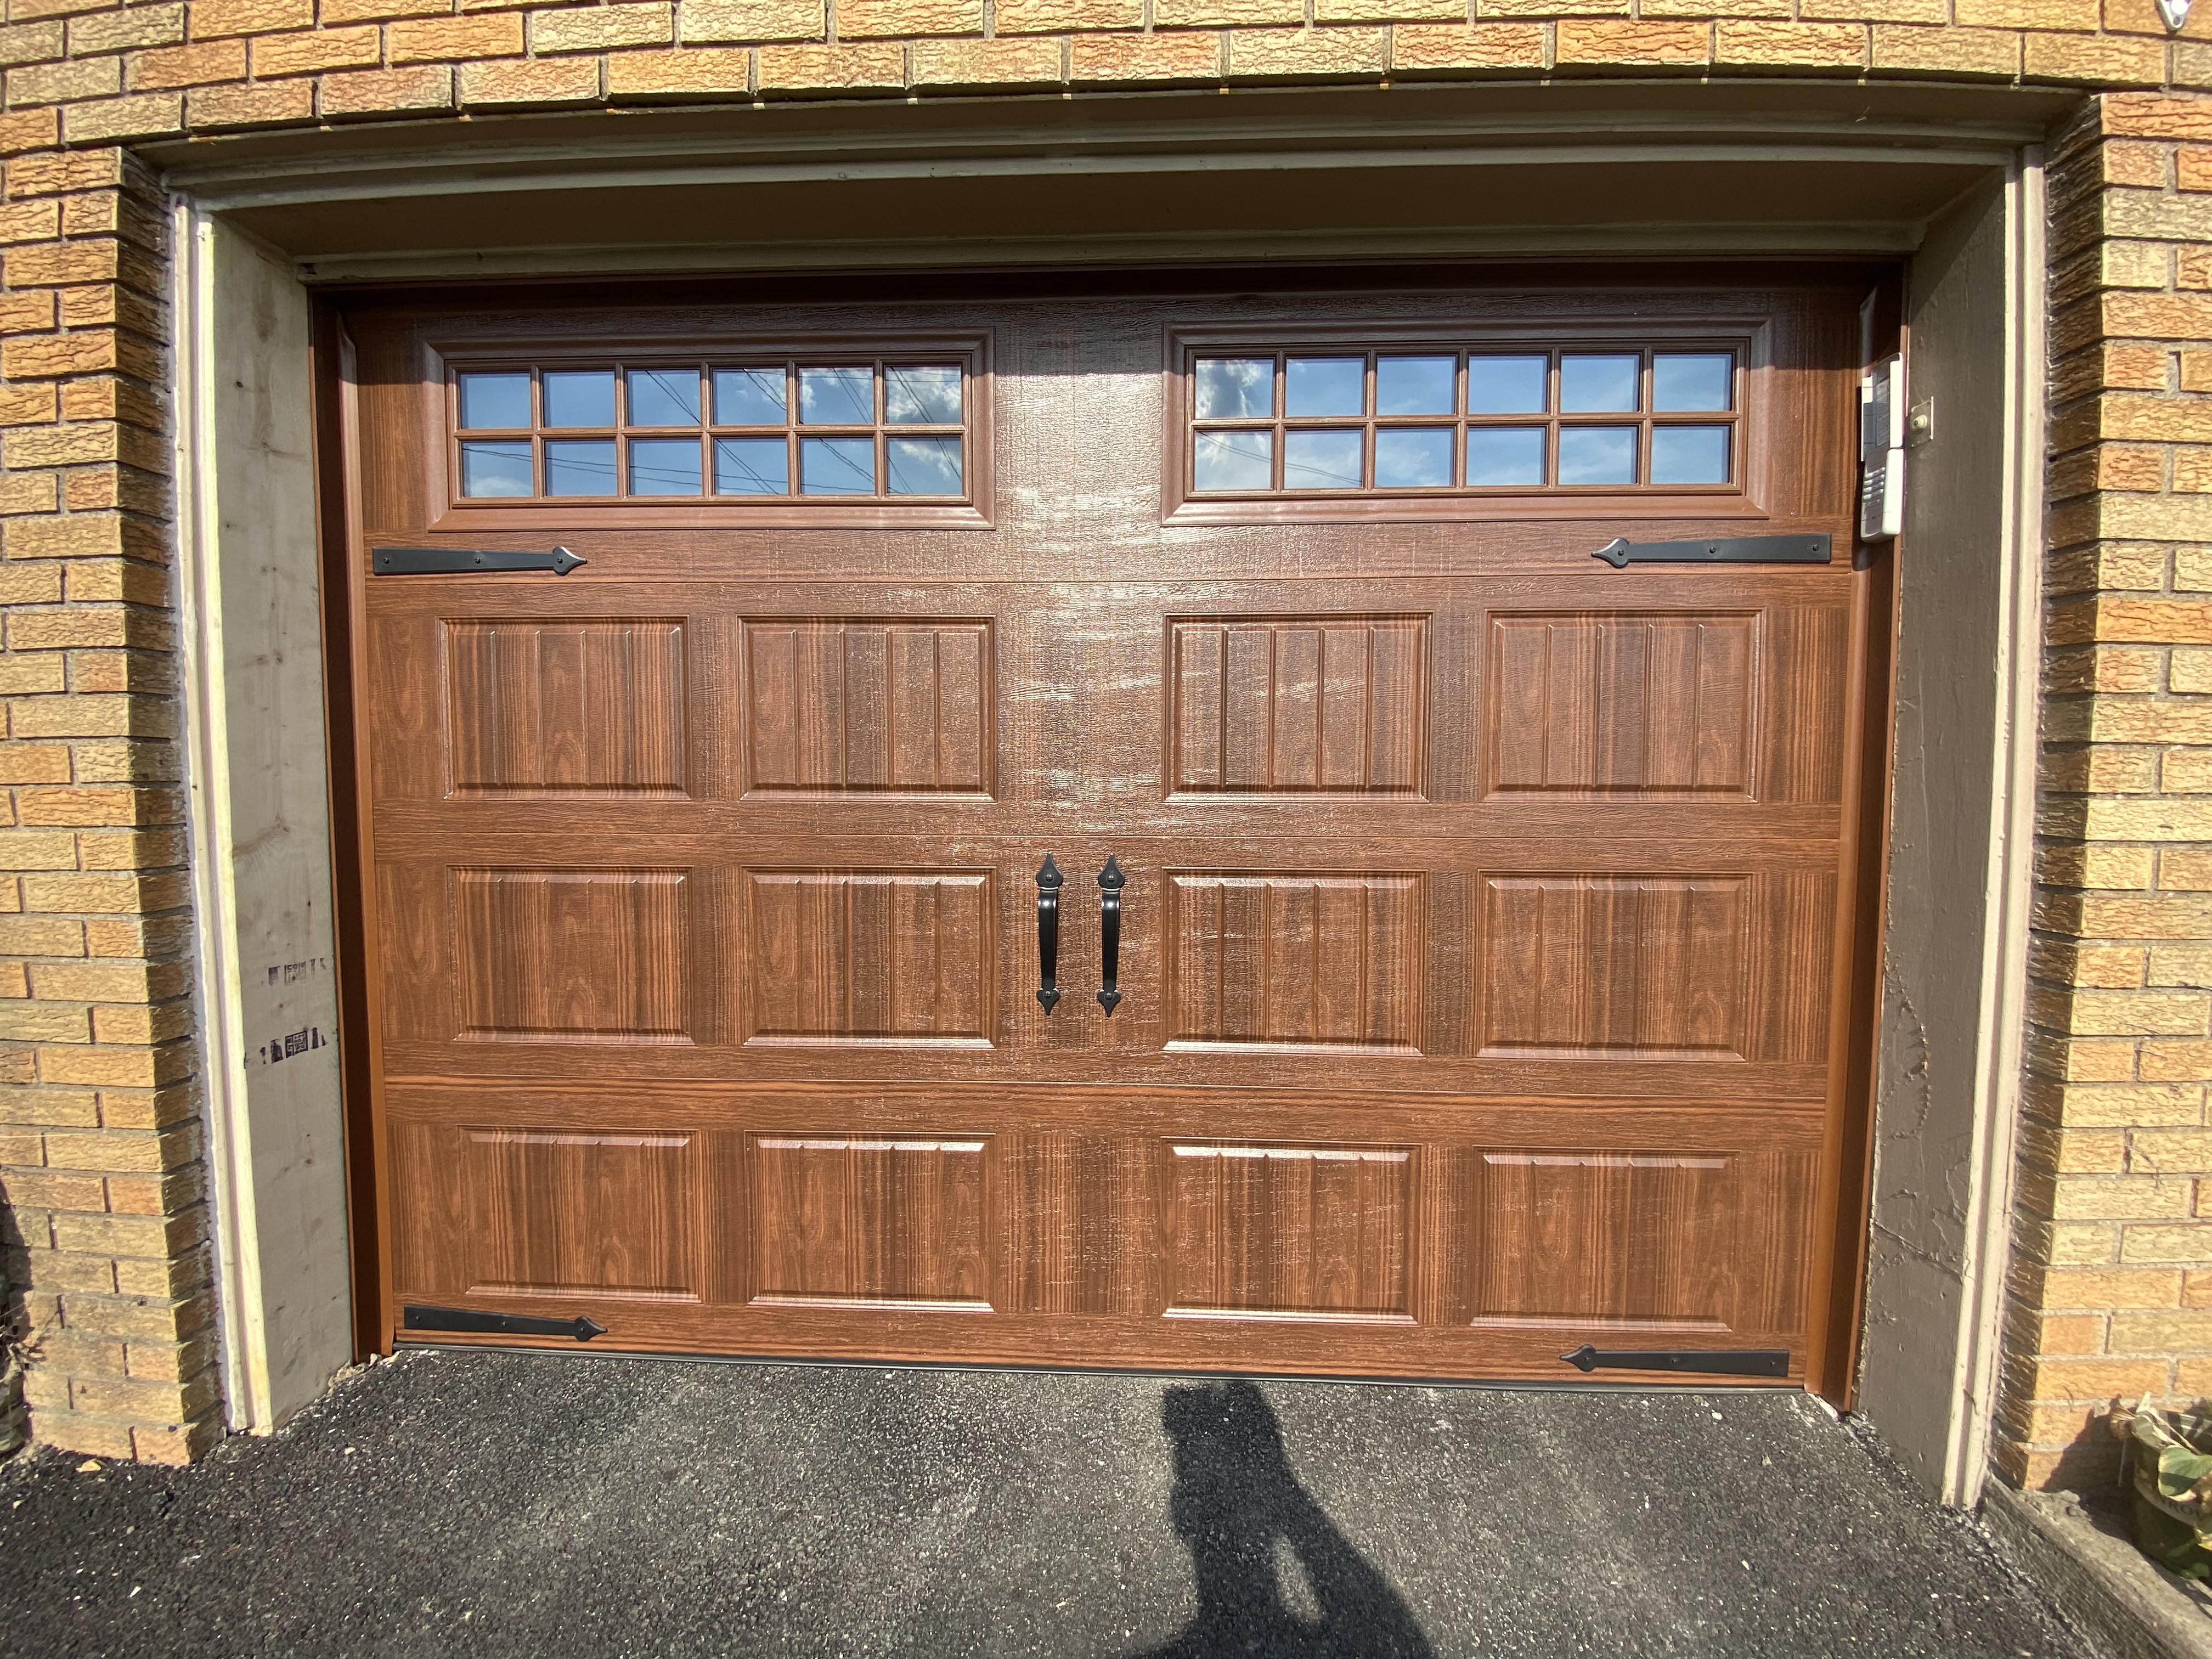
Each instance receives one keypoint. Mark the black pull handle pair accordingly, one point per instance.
(1111, 881)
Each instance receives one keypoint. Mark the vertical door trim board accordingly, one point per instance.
(274, 1136)
(2002, 1038)
(241, 1345)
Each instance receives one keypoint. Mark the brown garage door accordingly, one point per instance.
(1483, 960)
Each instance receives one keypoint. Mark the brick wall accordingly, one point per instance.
(100, 1147)
(2111, 1295)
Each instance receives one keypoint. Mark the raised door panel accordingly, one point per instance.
(860, 705)
(860, 1220)
(1288, 1232)
(1658, 967)
(1667, 705)
(572, 955)
(1294, 960)
(1621, 703)
(566, 709)
(1632, 1240)
(1298, 705)
(505, 1211)
(872, 956)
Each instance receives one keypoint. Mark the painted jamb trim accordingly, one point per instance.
(2001, 1035)
(241, 1340)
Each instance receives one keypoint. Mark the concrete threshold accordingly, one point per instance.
(2081, 1555)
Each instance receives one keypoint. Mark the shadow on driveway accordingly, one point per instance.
(1250, 1527)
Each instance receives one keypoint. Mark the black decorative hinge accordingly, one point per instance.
(478, 1323)
(1620, 552)
(1716, 1362)
(461, 561)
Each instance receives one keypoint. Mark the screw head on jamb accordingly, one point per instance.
(2175, 12)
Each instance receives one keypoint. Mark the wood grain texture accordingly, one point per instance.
(565, 707)
(1663, 1242)
(840, 1219)
(841, 955)
(1295, 960)
(1621, 704)
(1444, 840)
(1298, 705)
(1645, 968)
(571, 956)
(1288, 1231)
(861, 705)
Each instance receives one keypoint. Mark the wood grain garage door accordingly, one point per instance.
(1485, 952)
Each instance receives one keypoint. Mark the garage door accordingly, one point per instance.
(1114, 829)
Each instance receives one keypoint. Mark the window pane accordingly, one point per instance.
(1416, 386)
(1507, 386)
(913, 395)
(922, 466)
(580, 397)
(1417, 459)
(1499, 456)
(1597, 454)
(1693, 379)
(1234, 460)
(837, 397)
(1236, 388)
(1325, 386)
(664, 466)
(582, 466)
(495, 403)
(496, 469)
(1321, 460)
(749, 396)
(1599, 385)
(837, 466)
(664, 396)
(751, 466)
(1689, 454)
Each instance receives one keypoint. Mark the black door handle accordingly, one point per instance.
(1049, 879)
(1111, 881)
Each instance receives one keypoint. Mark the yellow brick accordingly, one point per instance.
(2089, 1105)
(1603, 40)
(335, 12)
(2190, 1243)
(1028, 61)
(2186, 771)
(1418, 46)
(2160, 1333)
(42, 936)
(129, 1068)
(2142, 17)
(2181, 964)
(1188, 55)
(57, 83)
(2100, 1288)
(1390, 11)
(2186, 868)
(879, 66)
(2152, 115)
(2197, 1290)
(2096, 866)
(375, 91)
(40, 1022)
(2175, 1062)
(526, 81)
(1066, 17)
(211, 18)
(861, 19)
(1955, 50)
(2120, 1198)
(1307, 51)
(2120, 916)
(1203, 13)
(312, 53)
(679, 73)
(2111, 968)
(602, 28)
(1812, 45)
(2125, 1013)
(709, 20)
(439, 38)
(2088, 1379)
(2130, 820)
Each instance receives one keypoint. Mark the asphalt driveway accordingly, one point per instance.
(494, 1504)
